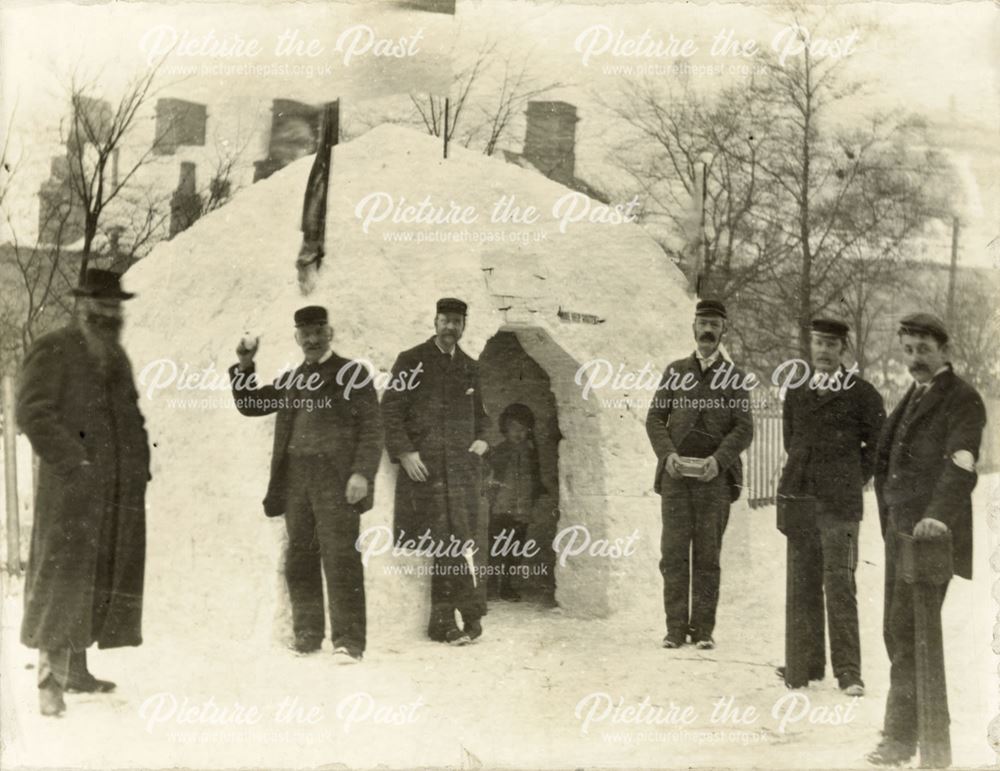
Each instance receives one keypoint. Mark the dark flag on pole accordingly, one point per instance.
(314, 206)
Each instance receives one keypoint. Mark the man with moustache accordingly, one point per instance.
(925, 472)
(694, 417)
(78, 405)
(436, 432)
(831, 426)
(327, 448)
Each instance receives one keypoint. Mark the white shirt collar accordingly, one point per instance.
(929, 383)
(322, 359)
(451, 353)
(708, 361)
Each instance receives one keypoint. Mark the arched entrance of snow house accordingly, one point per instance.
(524, 364)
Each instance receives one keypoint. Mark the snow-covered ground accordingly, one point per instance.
(540, 689)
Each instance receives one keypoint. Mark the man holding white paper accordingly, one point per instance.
(698, 425)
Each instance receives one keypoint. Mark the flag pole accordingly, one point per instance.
(446, 106)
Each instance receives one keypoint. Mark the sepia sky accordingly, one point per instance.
(932, 58)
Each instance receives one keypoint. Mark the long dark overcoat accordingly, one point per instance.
(440, 417)
(88, 544)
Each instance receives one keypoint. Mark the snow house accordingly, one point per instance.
(564, 311)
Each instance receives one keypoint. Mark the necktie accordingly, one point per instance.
(915, 397)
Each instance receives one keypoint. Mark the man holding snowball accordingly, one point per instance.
(327, 447)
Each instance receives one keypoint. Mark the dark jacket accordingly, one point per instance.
(500, 475)
(440, 417)
(831, 441)
(353, 432)
(72, 408)
(949, 418)
(725, 410)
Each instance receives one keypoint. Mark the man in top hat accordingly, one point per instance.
(78, 405)
(831, 425)
(925, 472)
(327, 447)
(700, 412)
(436, 432)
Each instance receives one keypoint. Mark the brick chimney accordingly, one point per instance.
(550, 139)
(185, 203)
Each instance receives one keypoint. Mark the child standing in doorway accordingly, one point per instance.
(514, 487)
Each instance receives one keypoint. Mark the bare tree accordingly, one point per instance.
(680, 143)
(488, 92)
(94, 138)
(518, 86)
(36, 290)
(431, 108)
(222, 184)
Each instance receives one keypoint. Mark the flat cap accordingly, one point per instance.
(710, 308)
(451, 305)
(311, 314)
(924, 324)
(835, 327)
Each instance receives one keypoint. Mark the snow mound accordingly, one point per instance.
(212, 553)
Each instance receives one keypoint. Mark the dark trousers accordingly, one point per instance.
(321, 534)
(822, 561)
(694, 517)
(453, 587)
(54, 664)
(64, 665)
(898, 630)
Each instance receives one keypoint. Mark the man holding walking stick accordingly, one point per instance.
(925, 471)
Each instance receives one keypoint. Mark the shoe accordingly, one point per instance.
(705, 644)
(344, 655)
(458, 638)
(50, 698)
(815, 675)
(440, 632)
(306, 645)
(890, 752)
(672, 641)
(474, 629)
(89, 684)
(851, 685)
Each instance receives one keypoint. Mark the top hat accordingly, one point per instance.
(102, 285)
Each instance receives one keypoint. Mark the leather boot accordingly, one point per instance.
(50, 698)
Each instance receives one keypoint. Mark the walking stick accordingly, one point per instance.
(796, 517)
(927, 565)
